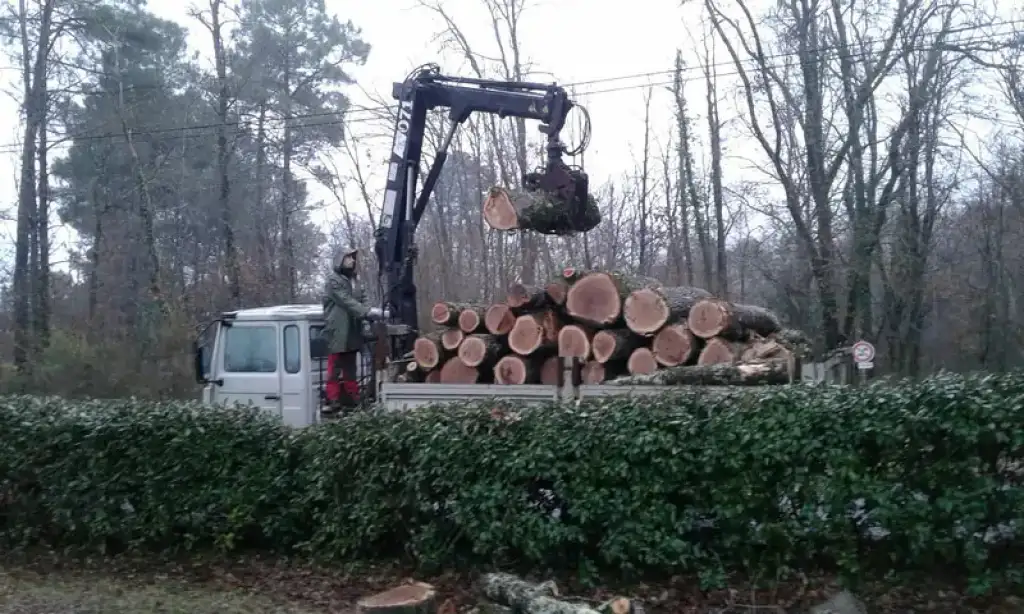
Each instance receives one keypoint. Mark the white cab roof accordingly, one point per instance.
(278, 312)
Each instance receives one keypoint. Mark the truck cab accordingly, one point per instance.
(273, 358)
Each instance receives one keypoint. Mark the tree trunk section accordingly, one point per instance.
(615, 344)
(574, 341)
(717, 318)
(503, 210)
(499, 319)
(452, 338)
(675, 345)
(428, 351)
(595, 372)
(514, 369)
(433, 377)
(444, 313)
(532, 332)
(597, 298)
(416, 598)
(648, 309)
(759, 374)
(551, 371)
(455, 371)
(522, 297)
(471, 319)
(480, 350)
(642, 362)
(719, 351)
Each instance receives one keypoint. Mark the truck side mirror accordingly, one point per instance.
(199, 362)
(317, 347)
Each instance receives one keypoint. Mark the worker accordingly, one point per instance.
(344, 312)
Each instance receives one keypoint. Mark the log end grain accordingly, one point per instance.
(574, 342)
(513, 369)
(593, 372)
(498, 320)
(642, 362)
(415, 598)
(719, 352)
(522, 296)
(432, 377)
(426, 352)
(603, 346)
(645, 311)
(442, 313)
(455, 371)
(469, 321)
(551, 371)
(498, 210)
(595, 299)
(709, 318)
(452, 338)
(473, 350)
(527, 335)
(674, 345)
(557, 291)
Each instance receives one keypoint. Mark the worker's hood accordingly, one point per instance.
(339, 259)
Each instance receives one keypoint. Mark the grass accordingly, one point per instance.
(25, 592)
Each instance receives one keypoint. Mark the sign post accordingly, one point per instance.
(864, 355)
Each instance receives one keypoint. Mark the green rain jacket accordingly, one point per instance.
(344, 313)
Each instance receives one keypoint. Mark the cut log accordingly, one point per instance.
(480, 350)
(558, 288)
(428, 351)
(454, 371)
(499, 319)
(452, 338)
(717, 318)
(764, 349)
(532, 332)
(597, 298)
(718, 351)
(642, 362)
(413, 373)
(528, 598)
(757, 374)
(415, 598)
(617, 605)
(514, 369)
(444, 313)
(551, 371)
(534, 211)
(522, 297)
(793, 340)
(675, 345)
(615, 344)
(433, 377)
(595, 372)
(648, 309)
(574, 342)
(471, 319)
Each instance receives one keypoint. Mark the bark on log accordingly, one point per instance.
(514, 369)
(557, 290)
(454, 371)
(597, 298)
(764, 349)
(551, 371)
(428, 351)
(471, 319)
(574, 341)
(733, 321)
(642, 362)
(615, 344)
(595, 372)
(452, 338)
(499, 319)
(719, 351)
(416, 598)
(534, 211)
(793, 340)
(528, 598)
(444, 313)
(648, 309)
(675, 345)
(480, 350)
(532, 332)
(757, 374)
(413, 373)
(523, 298)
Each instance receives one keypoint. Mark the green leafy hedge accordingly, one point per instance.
(917, 478)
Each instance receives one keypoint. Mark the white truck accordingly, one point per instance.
(274, 358)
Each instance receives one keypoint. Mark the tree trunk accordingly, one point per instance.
(526, 597)
(499, 319)
(42, 287)
(648, 309)
(615, 344)
(675, 345)
(480, 350)
(416, 598)
(574, 341)
(759, 374)
(597, 298)
(220, 61)
(533, 331)
(452, 338)
(594, 372)
(444, 313)
(642, 362)
(514, 369)
(733, 321)
(428, 351)
(471, 319)
(525, 298)
(454, 371)
(533, 211)
(719, 351)
(551, 371)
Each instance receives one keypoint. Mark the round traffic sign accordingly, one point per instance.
(863, 352)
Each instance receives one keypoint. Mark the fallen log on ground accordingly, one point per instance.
(754, 374)
(504, 210)
(647, 310)
(528, 598)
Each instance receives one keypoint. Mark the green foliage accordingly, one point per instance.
(786, 475)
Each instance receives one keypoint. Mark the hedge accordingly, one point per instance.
(875, 480)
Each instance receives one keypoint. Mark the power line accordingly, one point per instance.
(372, 113)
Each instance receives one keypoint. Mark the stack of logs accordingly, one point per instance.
(624, 330)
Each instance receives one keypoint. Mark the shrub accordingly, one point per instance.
(920, 478)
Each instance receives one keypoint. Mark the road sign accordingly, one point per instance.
(863, 352)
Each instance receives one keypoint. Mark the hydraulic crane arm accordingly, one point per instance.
(427, 89)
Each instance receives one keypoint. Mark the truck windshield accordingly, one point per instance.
(250, 349)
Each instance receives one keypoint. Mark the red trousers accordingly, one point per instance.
(342, 377)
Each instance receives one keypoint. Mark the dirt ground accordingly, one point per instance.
(50, 586)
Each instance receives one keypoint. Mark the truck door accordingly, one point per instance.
(296, 408)
(250, 365)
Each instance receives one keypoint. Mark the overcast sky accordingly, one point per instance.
(602, 46)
